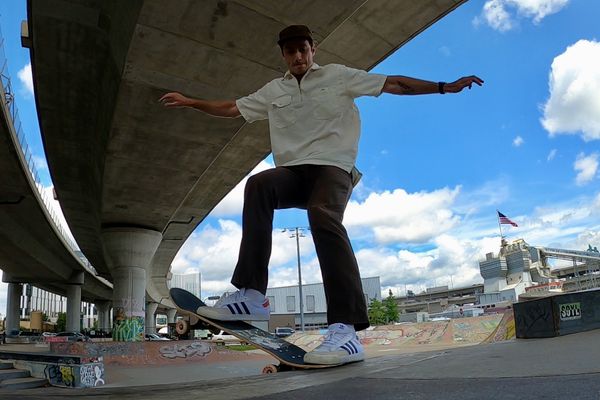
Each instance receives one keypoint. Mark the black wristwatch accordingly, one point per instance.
(441, 87)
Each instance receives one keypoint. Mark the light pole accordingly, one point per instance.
(298, 232)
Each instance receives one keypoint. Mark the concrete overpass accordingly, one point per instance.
(134, 180)
(434, 300)
(32, 249)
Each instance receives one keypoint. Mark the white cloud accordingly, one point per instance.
(518, 141)
(551, 155)
(233, 203)
(399, 216)
(495, 15)
(500, 14)
(40, 163)
(574, 104)
(450, 258)
(453, 262)
(53, 207)
(587, 166)
(26, 78)
(213, 251)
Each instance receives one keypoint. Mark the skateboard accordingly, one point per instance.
(290, 356)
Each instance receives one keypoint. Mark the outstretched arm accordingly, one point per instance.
(217, 108)
(405, 85)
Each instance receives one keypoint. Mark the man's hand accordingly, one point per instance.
(460, 84)
(175, 100)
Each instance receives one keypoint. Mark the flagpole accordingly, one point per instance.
(499, 224)
(500, 227)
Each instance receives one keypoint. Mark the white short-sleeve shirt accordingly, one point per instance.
(314, 121)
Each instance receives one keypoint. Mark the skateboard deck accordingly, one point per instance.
(285, 352)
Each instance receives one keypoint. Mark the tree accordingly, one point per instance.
(376, 312)
(61, 322)
(391, 308)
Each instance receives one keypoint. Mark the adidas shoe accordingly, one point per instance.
(340, 346)
(243, 305)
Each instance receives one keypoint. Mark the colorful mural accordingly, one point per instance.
(127, 329)
(505, 329)
(75, 376)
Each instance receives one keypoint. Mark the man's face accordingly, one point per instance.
(298, 55)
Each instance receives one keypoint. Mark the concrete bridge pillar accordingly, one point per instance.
(171, 314)
(13, 318)
(130, 251)
(103, 308)
(74, 302)
(151, 317)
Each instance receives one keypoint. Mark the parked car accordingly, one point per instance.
(283, 331)
(203, 334)
(73, 336)
(223, 337)
(154, 337)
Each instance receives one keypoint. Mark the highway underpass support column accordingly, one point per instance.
(130, 251)
(151, 317)
(103, 308)
(74, 303)
(13, 303)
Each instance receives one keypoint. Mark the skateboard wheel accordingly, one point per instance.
(182, 327)
(269, 369)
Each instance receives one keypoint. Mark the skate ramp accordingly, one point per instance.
(456, 332)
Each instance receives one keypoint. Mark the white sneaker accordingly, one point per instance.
(243, 305)
(340, 346)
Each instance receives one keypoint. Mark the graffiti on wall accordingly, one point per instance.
(91, 375)
(84, 375)
(194, 349)
(60, 375)
(127, 329)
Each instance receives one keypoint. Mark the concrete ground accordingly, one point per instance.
(565, 367)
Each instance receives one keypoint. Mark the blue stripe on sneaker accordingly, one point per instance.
(347, 348)
(353, 346)
(245, 308)
(231, 308)
(239, 310)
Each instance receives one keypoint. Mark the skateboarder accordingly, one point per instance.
(314, 127)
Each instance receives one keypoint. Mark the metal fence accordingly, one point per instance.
(8, 102)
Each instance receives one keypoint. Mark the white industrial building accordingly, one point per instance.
(506, 275)
(285, 303)
(189, 282)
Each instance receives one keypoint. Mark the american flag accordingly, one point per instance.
(504, 219)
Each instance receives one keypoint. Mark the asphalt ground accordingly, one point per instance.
(566, 367)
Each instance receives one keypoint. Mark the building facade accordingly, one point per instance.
(507, 275)
(285, 304)
(189, 282)
(51, 304)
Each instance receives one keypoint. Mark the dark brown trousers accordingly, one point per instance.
(324, 192)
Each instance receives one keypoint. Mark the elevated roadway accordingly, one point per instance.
(32, 250)
(120, 160)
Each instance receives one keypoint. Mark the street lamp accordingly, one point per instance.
(297, 233)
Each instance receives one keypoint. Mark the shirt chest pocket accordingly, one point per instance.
(327, 104)
(281, 112)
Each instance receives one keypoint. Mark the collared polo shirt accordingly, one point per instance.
(314, 121)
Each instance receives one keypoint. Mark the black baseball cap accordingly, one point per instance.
(294, 32)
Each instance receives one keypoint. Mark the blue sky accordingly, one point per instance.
(437, 167)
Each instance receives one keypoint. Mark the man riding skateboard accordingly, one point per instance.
(314, 128)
